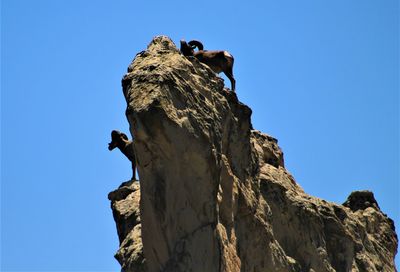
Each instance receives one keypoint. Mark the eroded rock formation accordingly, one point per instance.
(214, 194)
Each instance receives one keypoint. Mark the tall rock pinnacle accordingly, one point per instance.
(214, 194)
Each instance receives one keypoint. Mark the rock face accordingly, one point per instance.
(214, 194)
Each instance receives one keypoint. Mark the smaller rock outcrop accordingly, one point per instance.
(360, 200)
(126, 212)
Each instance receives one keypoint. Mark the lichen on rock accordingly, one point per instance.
(214, 194)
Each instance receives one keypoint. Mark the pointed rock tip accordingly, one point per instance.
(360, 200)
(161, 42)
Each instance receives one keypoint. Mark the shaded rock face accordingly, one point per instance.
(214, 194)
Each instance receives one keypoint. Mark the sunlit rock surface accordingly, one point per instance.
(214, 194)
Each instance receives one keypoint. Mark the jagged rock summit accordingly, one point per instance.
(214, 194)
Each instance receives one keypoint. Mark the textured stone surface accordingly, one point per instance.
(214, 193)
(126, 212)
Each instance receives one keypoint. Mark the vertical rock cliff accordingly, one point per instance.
(214, 194)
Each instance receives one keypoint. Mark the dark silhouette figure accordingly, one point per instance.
(218, 60)
(120, 140)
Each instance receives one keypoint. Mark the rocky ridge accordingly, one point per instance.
(214, 194)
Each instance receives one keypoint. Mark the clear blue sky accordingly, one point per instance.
(321, 76)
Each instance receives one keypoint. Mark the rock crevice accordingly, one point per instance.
(214, 194)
